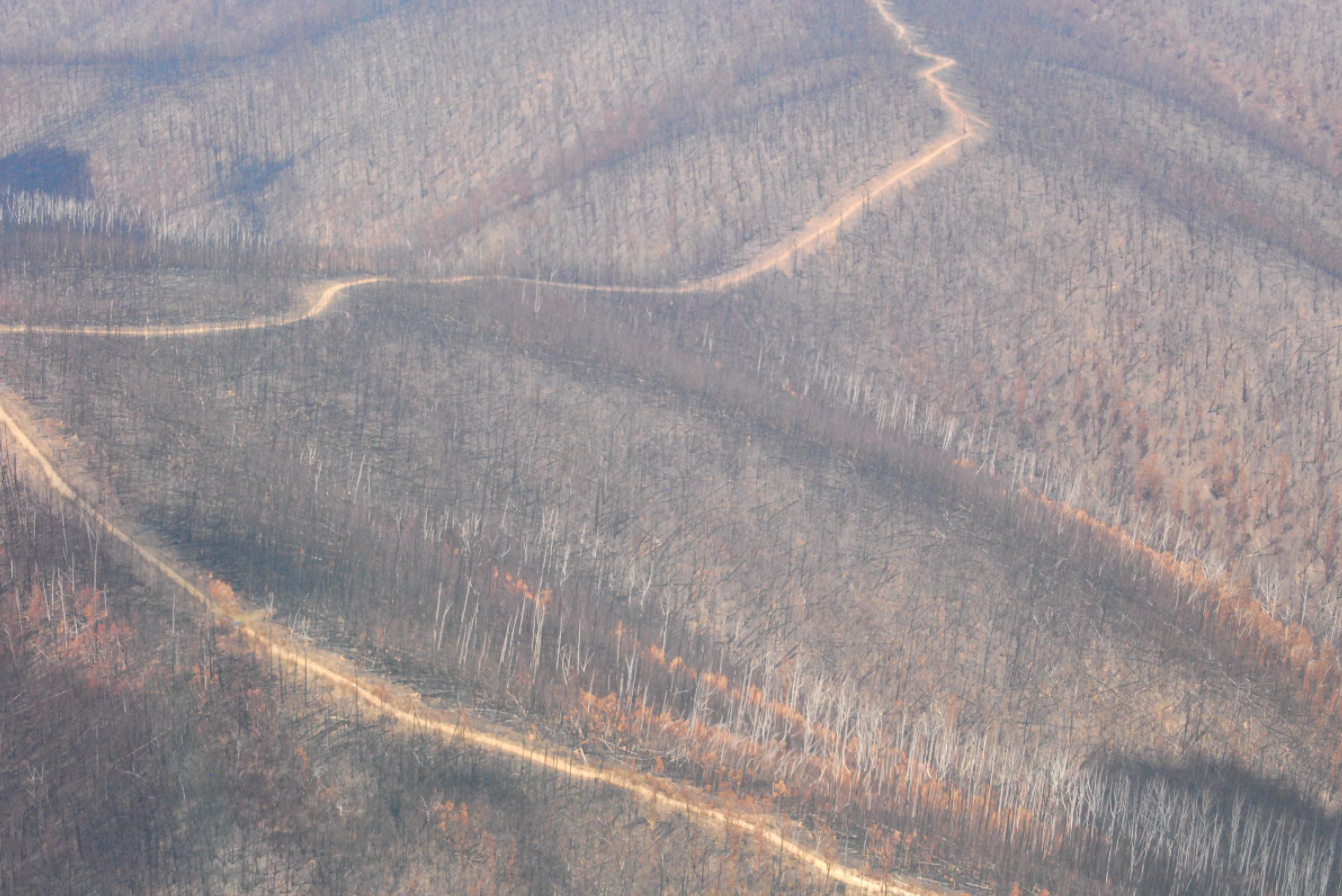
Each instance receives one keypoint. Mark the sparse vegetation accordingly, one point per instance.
(995, 544)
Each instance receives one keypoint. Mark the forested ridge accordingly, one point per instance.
(931, 488)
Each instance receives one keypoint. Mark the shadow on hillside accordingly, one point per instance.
(52, 170)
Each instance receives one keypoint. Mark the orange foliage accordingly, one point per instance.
(520, 588)
(221, 595)
(1233, 615)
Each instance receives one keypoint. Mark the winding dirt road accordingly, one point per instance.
(406, 707)
(962, 126)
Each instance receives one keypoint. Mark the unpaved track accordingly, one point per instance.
(405, 707)
(962, 126)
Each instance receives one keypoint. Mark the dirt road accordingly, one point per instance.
(962, 126)
(406, 707)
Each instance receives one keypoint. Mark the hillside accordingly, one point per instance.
(385, 136)
(699, 448)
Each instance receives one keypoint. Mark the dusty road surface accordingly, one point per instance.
(962, 126)
(406, 707)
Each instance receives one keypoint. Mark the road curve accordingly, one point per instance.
(962, 126)
(406, 707)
